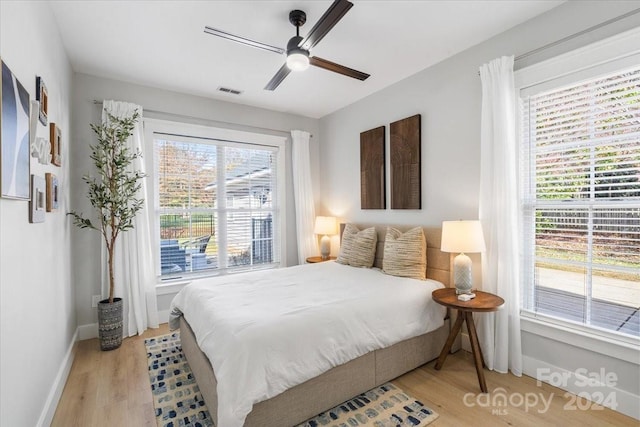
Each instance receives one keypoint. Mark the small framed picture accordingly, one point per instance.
(37, 205)
(55, 135)
(43, 97)
(52, 192)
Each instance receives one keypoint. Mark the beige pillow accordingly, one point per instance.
(358, 248)
(405, 254)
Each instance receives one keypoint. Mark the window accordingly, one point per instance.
(218, 200)
(581, 200)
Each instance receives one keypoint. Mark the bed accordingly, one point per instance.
(292, 403)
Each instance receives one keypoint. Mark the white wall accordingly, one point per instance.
(37, 313)
(86, 244)
(448, 96)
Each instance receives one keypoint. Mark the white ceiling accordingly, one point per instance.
(163, 44)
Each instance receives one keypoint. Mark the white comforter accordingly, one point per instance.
(267, 331)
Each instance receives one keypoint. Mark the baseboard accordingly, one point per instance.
(86, 332)
(51, 404)
(465, 342)
(606, 395)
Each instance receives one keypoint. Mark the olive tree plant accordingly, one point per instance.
(113, 191)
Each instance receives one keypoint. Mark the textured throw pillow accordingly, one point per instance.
(358, 248)
(405, 254)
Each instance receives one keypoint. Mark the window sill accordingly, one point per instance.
(171, 288)
(597, 343)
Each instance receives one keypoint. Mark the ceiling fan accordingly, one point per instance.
(298, 48)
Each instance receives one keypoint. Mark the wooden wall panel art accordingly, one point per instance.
(406, 186)
(372, 169)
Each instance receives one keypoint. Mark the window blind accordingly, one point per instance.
(581, 202)
(217, 205)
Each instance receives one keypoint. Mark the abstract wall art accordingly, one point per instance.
(14, 138)
(372, 169)
(406, 186)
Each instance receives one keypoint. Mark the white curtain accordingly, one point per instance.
(303, 195)
(498, 212)
(133, 261)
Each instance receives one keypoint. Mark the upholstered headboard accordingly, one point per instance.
(438, 262)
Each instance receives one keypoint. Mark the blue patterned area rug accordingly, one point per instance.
(178, 401)
(176, 396)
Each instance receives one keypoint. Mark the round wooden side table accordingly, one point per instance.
(314, 259)
(482, 303)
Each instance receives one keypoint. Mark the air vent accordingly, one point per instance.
(228, 90)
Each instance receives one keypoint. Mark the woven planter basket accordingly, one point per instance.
(110, 324)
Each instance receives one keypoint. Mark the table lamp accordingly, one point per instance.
(460, 237)
(325, 225)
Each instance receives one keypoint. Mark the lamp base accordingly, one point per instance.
(325, 247)
(462, 274)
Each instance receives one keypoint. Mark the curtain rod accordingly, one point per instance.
(573, 36)
(96, 102)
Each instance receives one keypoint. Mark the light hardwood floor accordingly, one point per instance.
(112, 389)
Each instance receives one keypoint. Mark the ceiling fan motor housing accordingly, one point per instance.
(294, 45)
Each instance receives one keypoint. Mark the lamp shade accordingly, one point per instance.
(462, 236)
(325, 225)
(298, 60)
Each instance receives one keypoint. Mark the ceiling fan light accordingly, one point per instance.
(298, 60)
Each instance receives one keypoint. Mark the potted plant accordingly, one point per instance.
(112, 193)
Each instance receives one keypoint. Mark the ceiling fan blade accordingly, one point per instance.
(278, 78)
(330, 18)
(337, 68)
(243, 40)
